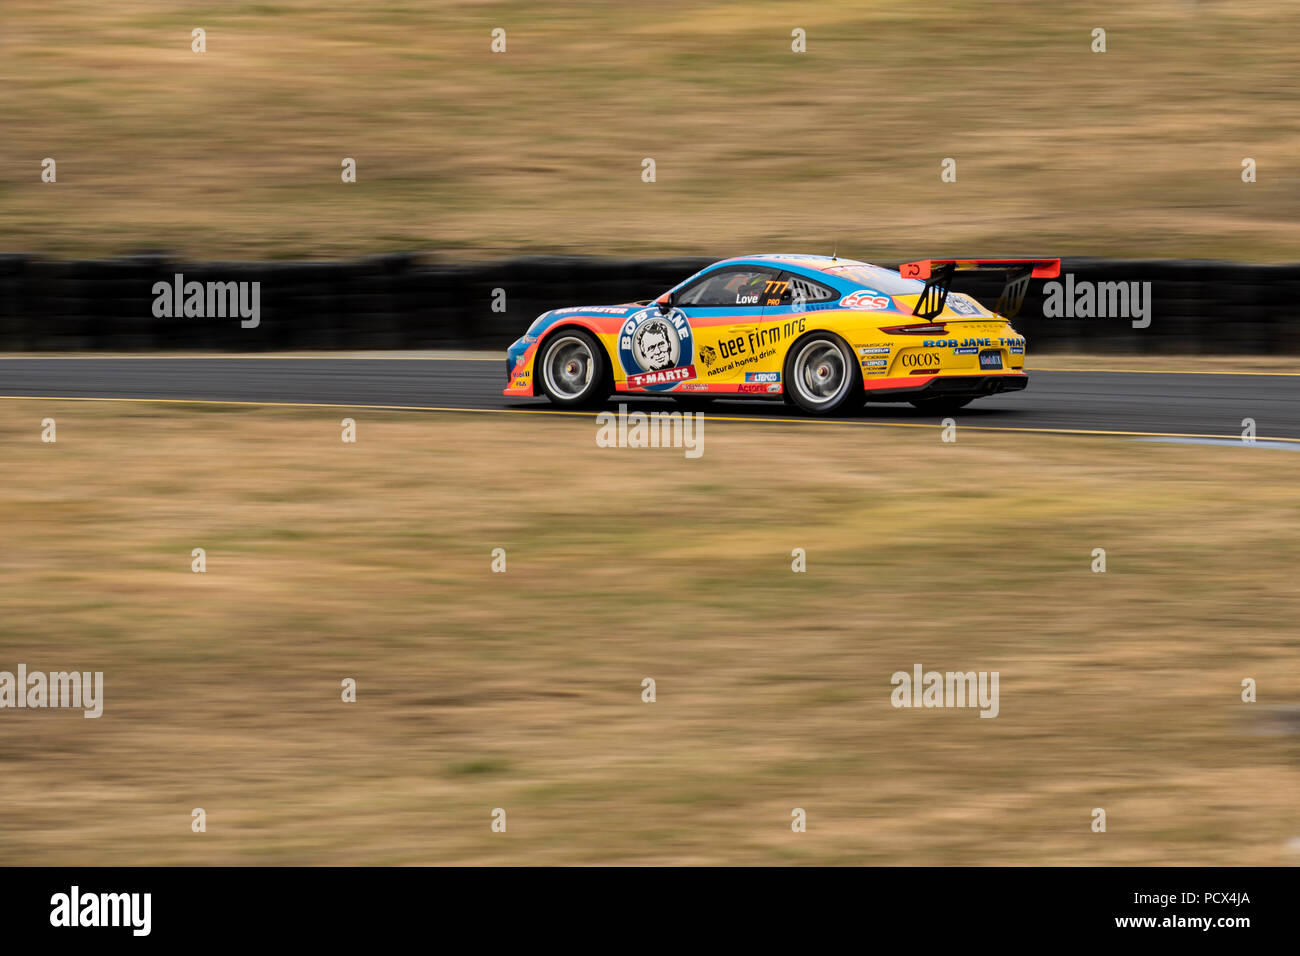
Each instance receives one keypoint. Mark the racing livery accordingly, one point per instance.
(821, 332)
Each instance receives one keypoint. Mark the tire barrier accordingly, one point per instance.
(401, 301)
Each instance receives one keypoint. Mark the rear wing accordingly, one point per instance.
(938, 274)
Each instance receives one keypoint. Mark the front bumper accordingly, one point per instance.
(519, 379)
(947, 386)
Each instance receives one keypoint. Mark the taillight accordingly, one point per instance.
(925, 328)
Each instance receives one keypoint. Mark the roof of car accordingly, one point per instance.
(834, 268)
(818, 263)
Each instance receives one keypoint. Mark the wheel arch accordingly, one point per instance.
(580, 324)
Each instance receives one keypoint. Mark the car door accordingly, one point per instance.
(724, 308)
(786, 305)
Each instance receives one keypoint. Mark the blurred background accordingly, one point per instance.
(372, 561)
(465, 153)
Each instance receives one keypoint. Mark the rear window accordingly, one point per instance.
(887, 281)
(806, 290)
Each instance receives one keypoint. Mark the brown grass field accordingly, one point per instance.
(235, 153)
(522, 690)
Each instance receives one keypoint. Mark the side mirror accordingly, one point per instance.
(665, 303)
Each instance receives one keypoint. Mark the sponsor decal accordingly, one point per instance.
(738, 352)
(656, 350)
(666, 377)
(598, 309)
(774, 388)
(875, 350)
(920, 360)
(762, 376)
(760, 339)
(962, 305)
(708, 355)
(969, 343)
(747, 299)
(866, 299)
(751, 388)
(874, 363)
(968, 350)
(692, 387)
(1017, 350)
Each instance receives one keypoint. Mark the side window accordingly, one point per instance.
(801, 290)
(729, 287)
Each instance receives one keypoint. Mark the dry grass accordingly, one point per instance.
(522, 690)
(235, 153)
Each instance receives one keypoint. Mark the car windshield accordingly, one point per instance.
(728, 287)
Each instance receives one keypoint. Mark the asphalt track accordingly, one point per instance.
(1196, 404)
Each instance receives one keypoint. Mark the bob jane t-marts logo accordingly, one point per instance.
(656, 350)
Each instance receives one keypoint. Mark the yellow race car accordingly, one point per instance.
(821, 332)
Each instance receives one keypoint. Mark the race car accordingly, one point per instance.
(823, 333)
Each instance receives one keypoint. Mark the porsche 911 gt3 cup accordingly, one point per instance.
(821, 332)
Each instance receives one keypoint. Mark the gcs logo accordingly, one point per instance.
(868, 299)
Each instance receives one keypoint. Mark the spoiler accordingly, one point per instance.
(938, 274)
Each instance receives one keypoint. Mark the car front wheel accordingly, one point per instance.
(572, 369)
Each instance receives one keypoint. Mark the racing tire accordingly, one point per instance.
(941, 405)
(573, 370)
(822, 375)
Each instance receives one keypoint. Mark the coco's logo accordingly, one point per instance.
(921, 360)
(656, 350)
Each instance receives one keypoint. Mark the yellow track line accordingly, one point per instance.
(592, 414)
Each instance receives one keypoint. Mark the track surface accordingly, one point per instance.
(1150, 403)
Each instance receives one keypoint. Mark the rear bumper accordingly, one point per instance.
(948, 386)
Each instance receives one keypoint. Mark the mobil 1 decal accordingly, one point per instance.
(656, 349)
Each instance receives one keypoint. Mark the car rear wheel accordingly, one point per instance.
(573, 369)
(821, 374)
(940, 406)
